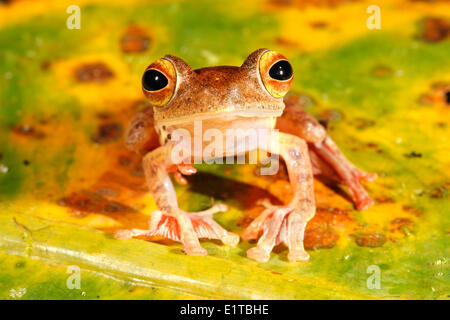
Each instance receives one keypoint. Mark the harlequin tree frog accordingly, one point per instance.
(226, 97)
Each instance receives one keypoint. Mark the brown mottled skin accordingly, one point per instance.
(209, 91)
(228, 98)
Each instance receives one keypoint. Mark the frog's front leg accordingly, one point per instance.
(286, 223)
(170, 221)
(330, 160)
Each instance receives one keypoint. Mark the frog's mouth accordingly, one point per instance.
(171, 117)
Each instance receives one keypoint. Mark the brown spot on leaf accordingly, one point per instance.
(382, 71)
(137, 170)
(320, 237)
(88, 202)
(403, 225)
(415, 211)
(104, 115)
(108, 132)
(384, 199)
(118, 180)
(46, 65)
(281, 3)
(361, 123)
(135, 39)
(124, 161)
(320, 231)
(319, 24)
(439, 95)
(372, 240)
(107, 192)
(375, 147)
(413, 154)
(425, 100)
(277, 273)
(310, 3)
(93, 72)
(285, 42)
(438, 193)
(435, 29)
(28, 131)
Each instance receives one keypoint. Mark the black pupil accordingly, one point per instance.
(281, 70)
(154, 80)
(447, 97)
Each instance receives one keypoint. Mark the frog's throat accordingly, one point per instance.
(172, 118)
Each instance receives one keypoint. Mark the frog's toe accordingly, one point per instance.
(182, 170)
(364, 203)
(367, 176)
(205, 227)
(195, 250)
(298, 256)
(258, 254)
(123, 234)
(230, 239)
(279, 224)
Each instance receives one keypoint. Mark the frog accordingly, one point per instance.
(252, 95)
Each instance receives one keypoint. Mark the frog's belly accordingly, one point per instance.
(216, 138)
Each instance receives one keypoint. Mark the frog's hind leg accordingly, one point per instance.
(332, 162)
(345, 171)
(141, 136)
(170, 221)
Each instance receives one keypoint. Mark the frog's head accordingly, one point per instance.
(180, 94)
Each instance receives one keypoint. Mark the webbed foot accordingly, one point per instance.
(186, 228)
(277, 224)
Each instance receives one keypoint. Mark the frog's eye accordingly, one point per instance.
(276, 73)
(159, 82)
(281, 71)
(153, 80)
